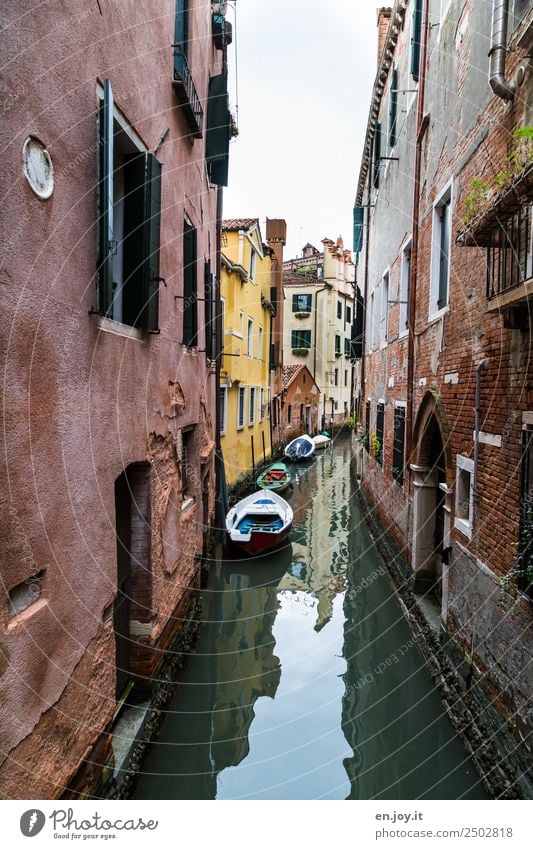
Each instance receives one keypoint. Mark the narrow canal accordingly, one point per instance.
(306, 682)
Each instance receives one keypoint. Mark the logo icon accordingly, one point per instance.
(32, 822)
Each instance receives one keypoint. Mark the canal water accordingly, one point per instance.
(306, 682)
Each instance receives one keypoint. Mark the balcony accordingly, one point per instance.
(186, 92)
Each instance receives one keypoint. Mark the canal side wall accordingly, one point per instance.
(487, 733)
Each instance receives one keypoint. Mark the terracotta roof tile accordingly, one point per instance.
(239, 223)
(290, 373)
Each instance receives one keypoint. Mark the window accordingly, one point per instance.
(393, 107)
(223, 408)
(260, 344)
(302, 303)
(261, 404)
(376, 156)
(384, 319)
(398, 445)
(347, 347)
(405, 288)
(339, 309)
(380, 423)
(440, 252)
(251, 410)
(252, 264)
(268, 402)
(302, 414)
(210, 312)
(241, 322)
(371, 334)
(25, 594)
(250, 344)
(336, 405)
(190, 284)
(348, 314)
(337, 345)
(367, 425)
(300, 339)
(240, 407)
(416, 38)
(346, 377)
(129, 216)
(187, 453)
(464, 496)
(336, 377)
(289, 413)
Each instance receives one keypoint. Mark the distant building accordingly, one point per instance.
(276, 232)
(318, 324)
(301, 402)
(247, 320)
(112, 167)
(443, 234)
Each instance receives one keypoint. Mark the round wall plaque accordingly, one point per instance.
(38, 168)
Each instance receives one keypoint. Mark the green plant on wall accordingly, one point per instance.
(484, 191)
(522, 570)
(351, 421)
(375, 444)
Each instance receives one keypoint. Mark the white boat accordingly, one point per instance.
(321, 440)
(301, 448)
(259, 522)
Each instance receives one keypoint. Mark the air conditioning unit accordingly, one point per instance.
(219, 8)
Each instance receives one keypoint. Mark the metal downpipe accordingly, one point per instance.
(498, 49)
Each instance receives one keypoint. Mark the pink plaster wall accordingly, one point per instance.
(81, 404)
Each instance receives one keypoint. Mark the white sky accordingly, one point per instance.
(305, 70)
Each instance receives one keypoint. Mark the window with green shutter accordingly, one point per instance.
(393, 107)
(377, 155)
(210, 311)
(358, 223)
(415, 39)
(301, 339)
(190, 286)
(129, 219)
(218, 130)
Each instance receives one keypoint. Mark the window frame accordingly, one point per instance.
(296, 296)
(241, 393)
(465, 526)
(405, 286)
(251, 405)
(443, 200)
(250, 338)
(223, 393)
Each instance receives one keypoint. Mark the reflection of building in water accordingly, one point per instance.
(320, 537)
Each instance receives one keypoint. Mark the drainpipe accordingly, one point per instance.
(479, 369)
(422, 122)
(365, 299)
(323, 289)
(498, 49)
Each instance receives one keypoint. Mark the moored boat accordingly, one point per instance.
(301, 448)
(259, 522)
(276, 478)
(321, 440)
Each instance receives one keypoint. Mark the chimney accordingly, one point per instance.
(383, 25)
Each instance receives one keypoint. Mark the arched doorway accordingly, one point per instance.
(431, 498)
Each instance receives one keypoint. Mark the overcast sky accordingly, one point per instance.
(305, 70)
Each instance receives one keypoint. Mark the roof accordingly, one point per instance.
(239, 223)
(290, 373)
(291, 278)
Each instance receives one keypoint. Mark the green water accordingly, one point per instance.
(306, 683)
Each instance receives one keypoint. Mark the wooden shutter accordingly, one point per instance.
(398, 444)
(358, 223)
(190, 305)
(105, 203)
(217, 135)
(415, 39)
(210, 311)
(181, 28)
(377, 155)
(393, 107)
(142, 224)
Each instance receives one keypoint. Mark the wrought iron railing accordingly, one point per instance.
(186, 92)
(510, 254)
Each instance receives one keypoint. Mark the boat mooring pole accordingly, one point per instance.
(253, 455)
(264, 449)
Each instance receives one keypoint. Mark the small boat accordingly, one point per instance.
(259, 522)
(276, 478)
(321, 440)
(301, 448)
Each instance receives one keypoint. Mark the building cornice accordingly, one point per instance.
(385, 62)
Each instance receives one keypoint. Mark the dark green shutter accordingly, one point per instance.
(357, 328)
(190, 306)
(393, 107)
(358, 224)
(210, 311)
(415, 39)
(142, 217)
(444, 215)
(377, 155)
(105, 203)
(181, 29)
(217, 135)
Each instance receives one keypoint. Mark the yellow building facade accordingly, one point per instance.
(244, 376)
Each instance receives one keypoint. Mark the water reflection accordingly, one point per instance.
(306, 682)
